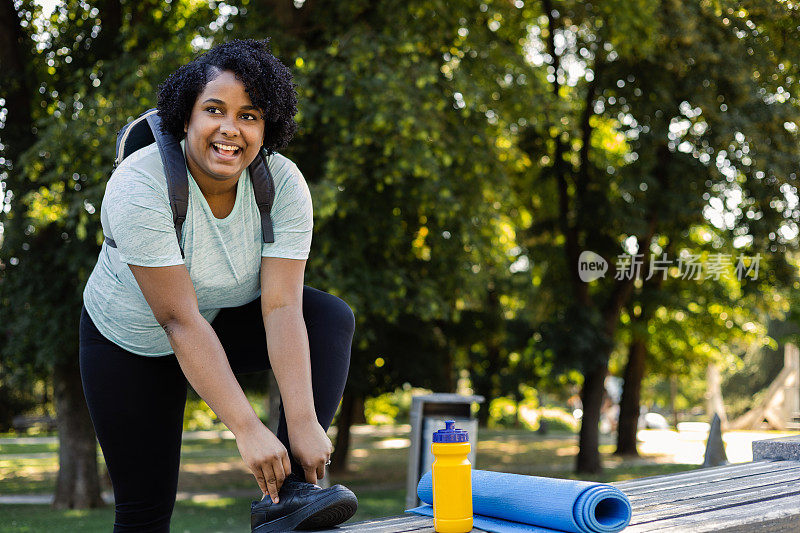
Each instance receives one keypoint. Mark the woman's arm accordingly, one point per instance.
(287, 343)
(170, 294)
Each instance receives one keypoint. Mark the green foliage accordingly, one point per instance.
(198, 415)
(13, 401)
(409, 182)
(55, 184)
(684, 143)
(502, 413)
(564, 423)
(460, 156)
(507, 412)
(381, 410)
(391, 407)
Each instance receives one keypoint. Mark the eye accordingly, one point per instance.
(249, 116)
(213, 109)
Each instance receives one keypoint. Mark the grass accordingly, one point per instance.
(224, 515)
(50, 447)
(377, 475)
(219, 515)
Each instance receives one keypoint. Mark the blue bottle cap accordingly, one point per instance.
(450, 433)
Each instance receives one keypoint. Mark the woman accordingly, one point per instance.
(153, 320)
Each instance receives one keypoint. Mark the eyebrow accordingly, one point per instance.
(220, 102)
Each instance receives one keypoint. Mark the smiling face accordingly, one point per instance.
(224, 133)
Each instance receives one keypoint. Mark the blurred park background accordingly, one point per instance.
(463, 157)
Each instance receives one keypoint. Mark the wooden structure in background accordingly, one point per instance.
(780, 407)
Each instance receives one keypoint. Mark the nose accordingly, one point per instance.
(228, 128)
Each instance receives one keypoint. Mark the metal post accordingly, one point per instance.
(428, 414)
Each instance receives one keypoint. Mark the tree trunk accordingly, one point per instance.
(78, 484)
(483, 412)
(359, 416)
(714, 403)
(342, 446)
(588, 461)
(630, 402)
(673, 396)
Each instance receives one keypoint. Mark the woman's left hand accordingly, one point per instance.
(311, 447)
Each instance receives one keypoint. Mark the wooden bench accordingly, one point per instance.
(760, 496)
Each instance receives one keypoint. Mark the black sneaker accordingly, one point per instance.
(303, 505)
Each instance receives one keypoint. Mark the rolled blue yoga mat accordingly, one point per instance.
(544, 503)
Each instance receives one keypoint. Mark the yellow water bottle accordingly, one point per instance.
(452, 480)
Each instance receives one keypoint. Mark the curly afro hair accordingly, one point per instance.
(267, 81)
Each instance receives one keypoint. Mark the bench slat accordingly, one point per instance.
(715, 477)
(731, 501)
(394, 524)
(764, 479)
(704, 473)
(773, 515)
(687, 473)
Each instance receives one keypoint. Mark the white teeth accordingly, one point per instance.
(226, 147)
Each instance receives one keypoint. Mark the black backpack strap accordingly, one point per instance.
(134, 135)
(264, 189)
(175, 169)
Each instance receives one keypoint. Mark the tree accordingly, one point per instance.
(737, 129)
(406, 177)
(382, 134)
(636, 136)
(677, 324)
(87, 62)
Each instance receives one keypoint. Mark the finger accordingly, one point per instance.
(311, 474)
(262, 483)
(321, 471)
(280, 474)
(272, 483)
(287, 464)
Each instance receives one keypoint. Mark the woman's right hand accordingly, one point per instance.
(266, 457)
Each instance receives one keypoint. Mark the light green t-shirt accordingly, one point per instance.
(223, 256)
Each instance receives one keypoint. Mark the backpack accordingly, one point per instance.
(146, 129)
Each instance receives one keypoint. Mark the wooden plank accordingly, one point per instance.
(718, 476)
(730, 500)
(791, 477)
(717, 472)
(395, 524)
(777, 514)
(688, 473)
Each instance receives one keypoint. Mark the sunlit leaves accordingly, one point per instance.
(45, 205)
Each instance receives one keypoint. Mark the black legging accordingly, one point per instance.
(137, 403)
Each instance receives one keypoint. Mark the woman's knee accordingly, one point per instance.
(331, 312)
(345, 318)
